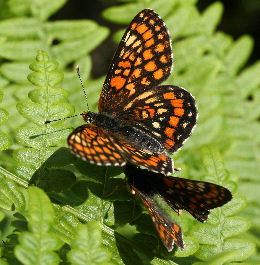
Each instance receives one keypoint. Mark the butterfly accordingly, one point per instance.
(196, 197)
(139, 121)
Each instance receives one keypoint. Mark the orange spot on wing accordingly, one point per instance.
(176, 228)
(142, 28)
(112, 158)
(137, 114)
(117, 82)
(169, 95)
(78, 146)
(138, 61)
(126, 72)
(98, 149)
(178, 112)
(106, 150)
(116, 155)
(159, 47)
(160, 36)
(89, 151)
(157, 28)
(132, 56)
(158, 74)
(174, 121)
(163, 59)
(149, 43)
(162, 157)
(147, 54)
(150, 66)
(133, 25)
(126, 55)
(151, 111)
(103, 158)
(124, 64)
(177, 103)
(118, 71)
(152, 163)
(169, 144)
(131, 87)
(145, 81)
(169, 132)
(91, 133)
(154, 158)
(148, 34)
(136, 73)
(151, 21)
(136, 158)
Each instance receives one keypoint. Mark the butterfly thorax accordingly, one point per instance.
(133, 134)
(102, 120)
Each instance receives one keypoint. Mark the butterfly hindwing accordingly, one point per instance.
(168, 113)
(169, 231)
(152, 161)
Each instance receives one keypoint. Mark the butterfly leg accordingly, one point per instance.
(114, 190)
(132, 191)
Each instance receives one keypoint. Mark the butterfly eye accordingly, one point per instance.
(88, 117)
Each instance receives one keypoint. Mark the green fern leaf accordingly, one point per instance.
(86, 246)
(5, 140)
(46, 103)
(123, 14)
(37, 246)
(10, 193)
(24, 36)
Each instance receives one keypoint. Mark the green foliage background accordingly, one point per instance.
(66, 219)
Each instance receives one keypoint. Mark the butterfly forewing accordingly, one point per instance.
(143, 60)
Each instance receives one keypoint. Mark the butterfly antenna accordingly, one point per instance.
(45, 122)
(77, 69)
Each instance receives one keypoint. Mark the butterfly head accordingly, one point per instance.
(88, 117)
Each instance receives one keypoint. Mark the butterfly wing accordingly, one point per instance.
(196, 197)
(94, 145)
(168, 113)
(152, 161)
(169, 231)
(143, 60)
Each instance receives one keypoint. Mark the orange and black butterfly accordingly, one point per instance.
(142, 122)
(139, 121)
(196, 197)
